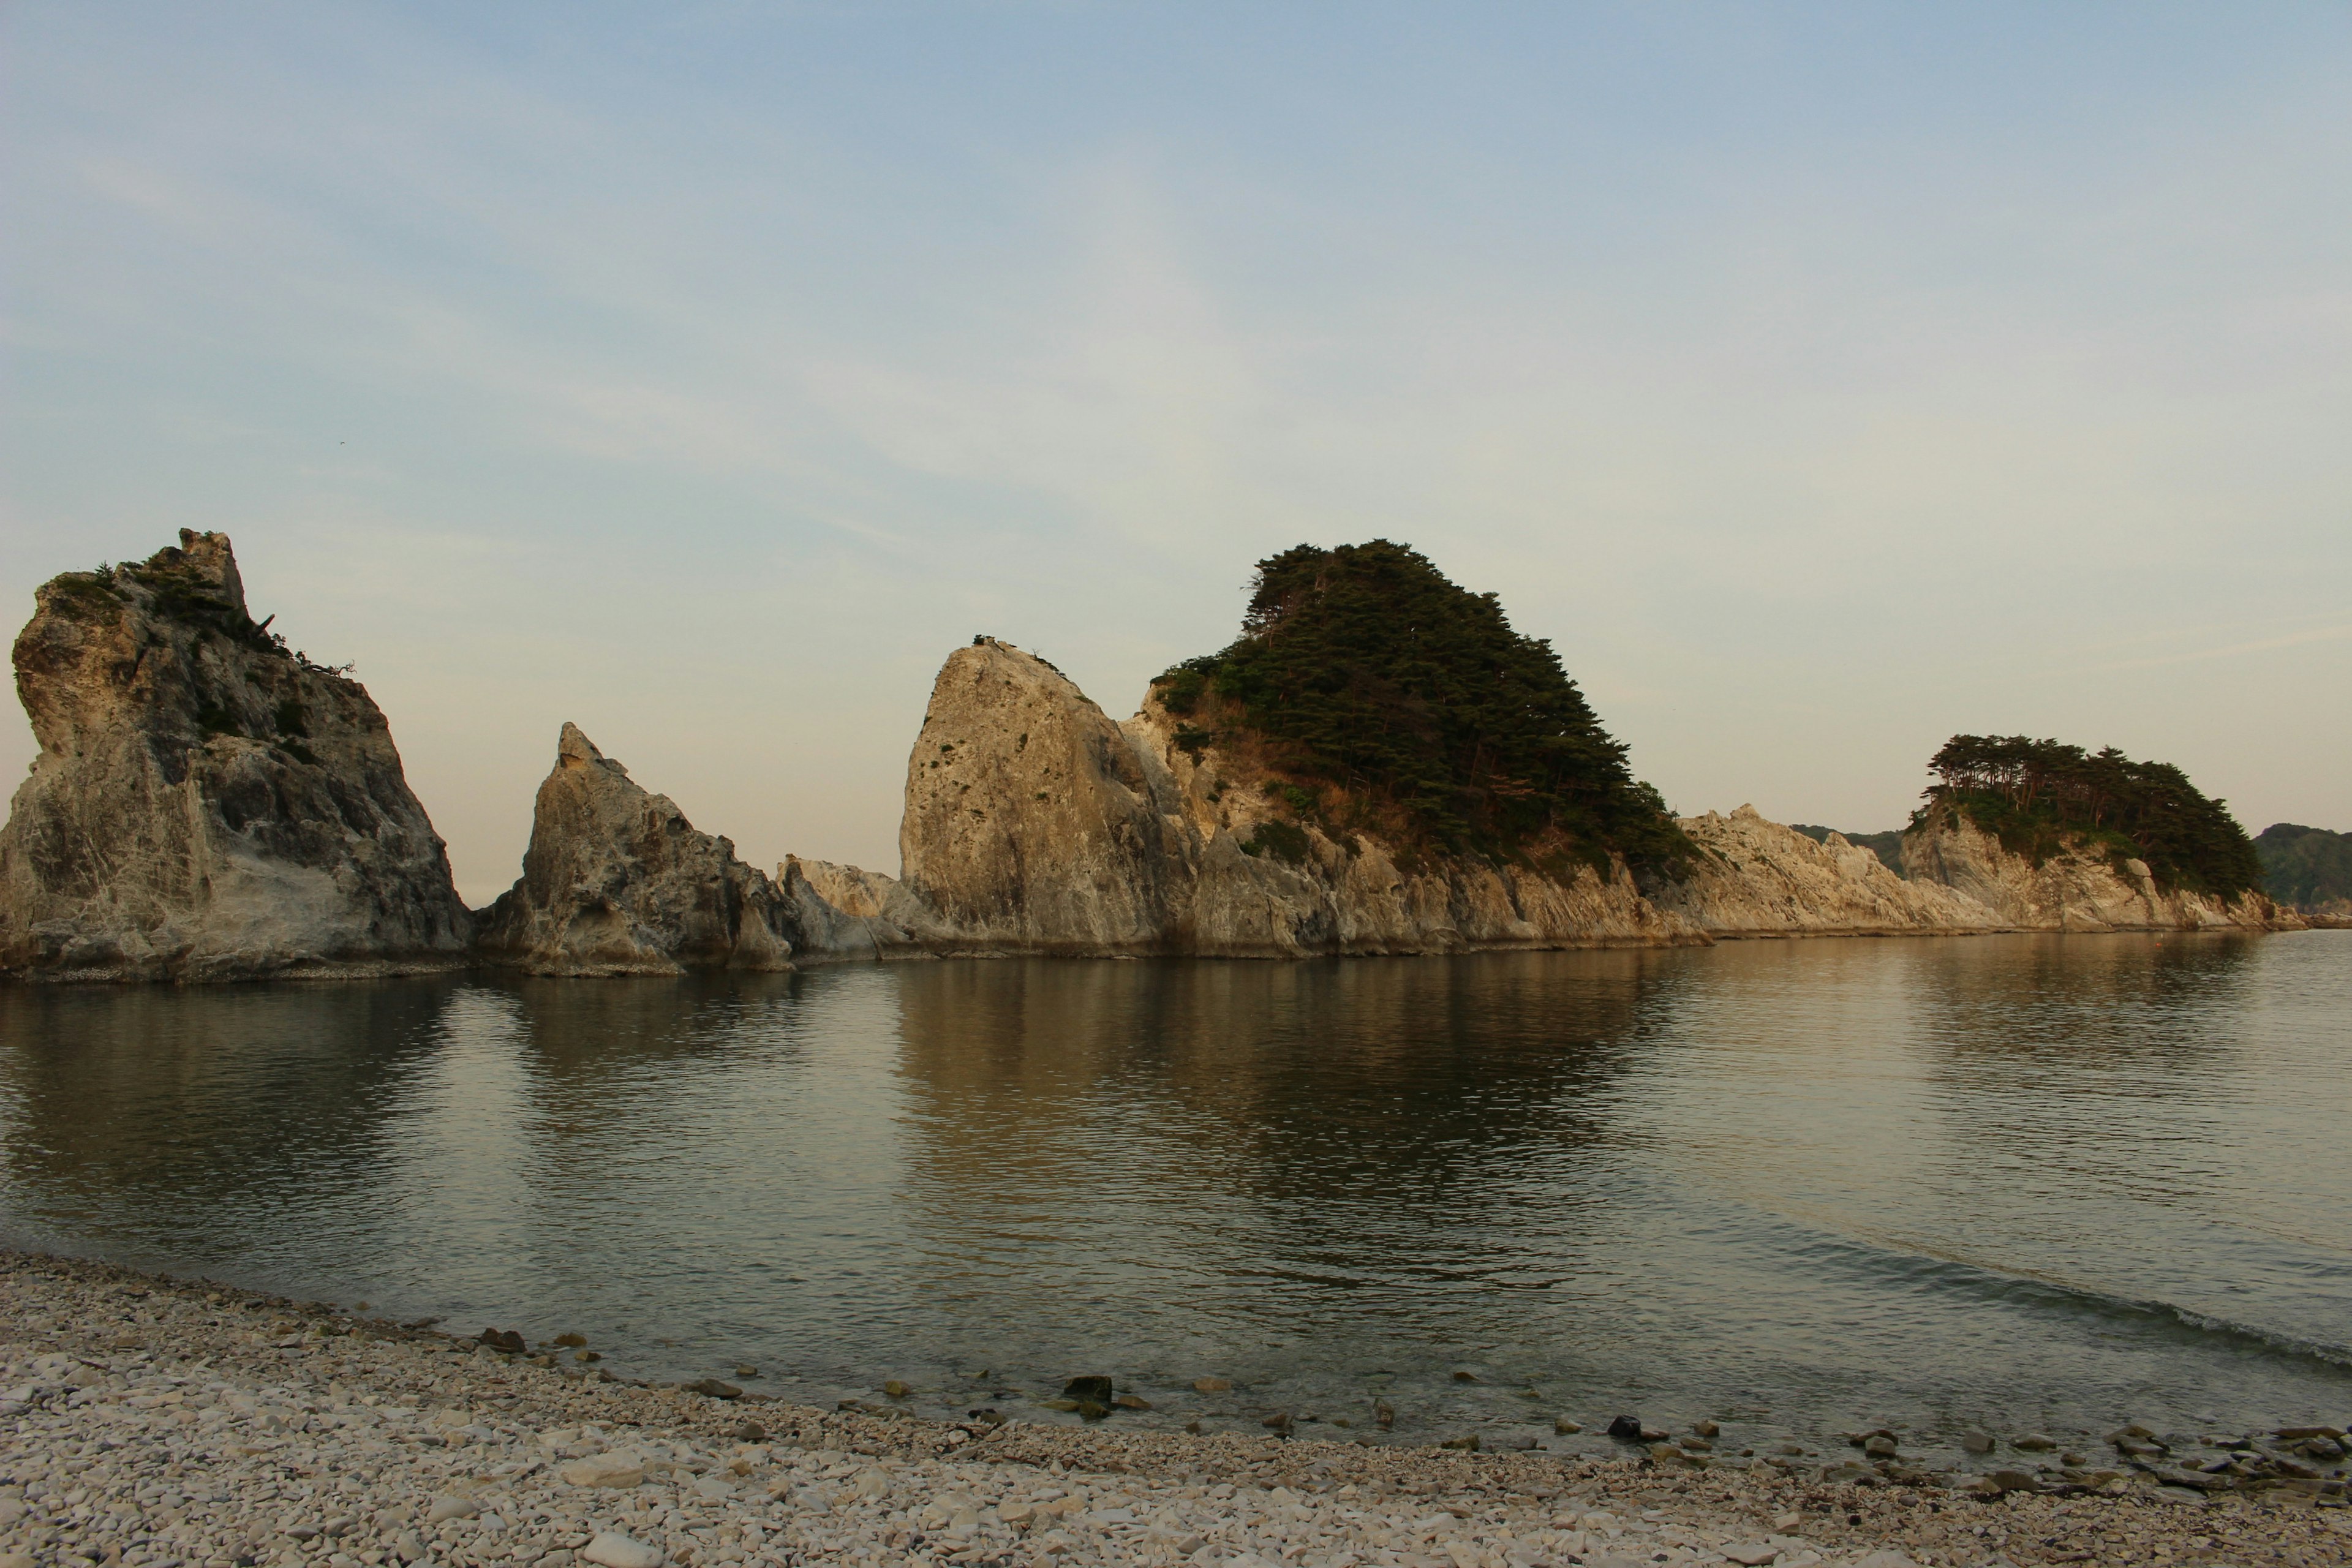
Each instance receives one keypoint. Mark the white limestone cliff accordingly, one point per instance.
(1035, 824)
(1761, 878)
(2078, 890)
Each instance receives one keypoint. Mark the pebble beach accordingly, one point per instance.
(156, 1423)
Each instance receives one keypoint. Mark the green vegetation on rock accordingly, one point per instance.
(1386, 698)
(2308, 868)
(2041, 797)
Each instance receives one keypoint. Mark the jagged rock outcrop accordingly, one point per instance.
(1035, 824)
(1761, 878)
(840, 911)
(616, 881)
(2079, 889)
(206, 804)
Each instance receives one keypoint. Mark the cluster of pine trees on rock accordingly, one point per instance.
(1385, 698)
(2039, 797)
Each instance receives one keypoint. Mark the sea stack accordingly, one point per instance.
(617, 881)
(206, 804)
(1029, 823)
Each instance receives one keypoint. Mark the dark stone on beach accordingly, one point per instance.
(505, 1340)
(1563, 1425)
(1977, 1442)
(1279, 1422)
(1879, 1446)
(2015, 1482)
(1626, 1428)
(713, 1388)
(1708, 1429)
(749, 1432)
(1384, 1413)
(1092, 1410)
(1465, 1377)
(1468, 1444)
(1097, 1389)
(569, 1342)
(987, 1414)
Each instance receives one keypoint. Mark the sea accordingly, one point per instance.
(1800, 1188)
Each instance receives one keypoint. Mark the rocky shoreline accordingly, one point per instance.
(210, 804)
(157, 1423)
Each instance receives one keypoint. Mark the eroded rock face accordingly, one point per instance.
(1766, 879)
(842, 912)
(1242, 891)
(1035, 824)
(1029, 824)
(2077, 891)
(206, 804)
(616, 881)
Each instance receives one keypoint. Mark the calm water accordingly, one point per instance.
(1798, 1186)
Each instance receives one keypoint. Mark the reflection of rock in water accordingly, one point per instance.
(1226, 1120)
(575, 1034)
(166, 1104)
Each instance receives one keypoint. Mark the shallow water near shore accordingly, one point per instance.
(1798, 1187)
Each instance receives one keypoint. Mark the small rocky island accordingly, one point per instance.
(207, 804)
(1378, 764)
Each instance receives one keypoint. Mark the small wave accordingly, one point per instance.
(1937, 1269)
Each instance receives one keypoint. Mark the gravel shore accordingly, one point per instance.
(163, 1424)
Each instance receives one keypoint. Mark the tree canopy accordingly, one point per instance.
(1376, 676)
(2306, 868)
(2036, 794)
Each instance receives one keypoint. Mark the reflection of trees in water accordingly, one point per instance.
(1303, 1125)
(2035, 1023)
(161, 1107)
(2098, 1068)
(2119, 1000)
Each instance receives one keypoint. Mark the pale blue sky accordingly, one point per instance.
(1823, 380)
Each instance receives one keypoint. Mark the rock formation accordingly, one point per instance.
(616, 881)
(1761, 878)
(1029, 825)
(2075, 891)
(840, 911)
(1035, 824)
(206, 804)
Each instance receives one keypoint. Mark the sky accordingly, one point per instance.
(1822, 380)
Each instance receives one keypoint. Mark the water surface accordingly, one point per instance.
(1798, 1186)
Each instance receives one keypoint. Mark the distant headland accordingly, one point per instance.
(1378, 764)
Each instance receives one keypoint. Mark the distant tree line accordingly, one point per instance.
(1380, 683)
(2038, 795)
(2308, 868)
